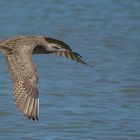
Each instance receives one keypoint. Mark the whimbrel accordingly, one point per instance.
(18, 52)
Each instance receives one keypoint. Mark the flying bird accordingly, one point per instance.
(18, 53)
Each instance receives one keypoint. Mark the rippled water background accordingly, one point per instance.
(77, 102)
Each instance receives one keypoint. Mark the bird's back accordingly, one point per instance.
(18, 42)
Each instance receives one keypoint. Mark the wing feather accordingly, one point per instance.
(71, 55)
(25, 81)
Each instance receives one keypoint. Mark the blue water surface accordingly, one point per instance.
(77, 102)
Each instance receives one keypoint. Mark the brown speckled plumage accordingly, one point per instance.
(18, 52)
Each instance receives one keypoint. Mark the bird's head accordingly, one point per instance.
(54, 45)
(60, 48)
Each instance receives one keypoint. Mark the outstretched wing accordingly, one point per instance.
(72, 55)
(25, 81)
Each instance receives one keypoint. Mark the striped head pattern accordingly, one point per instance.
(62, 49)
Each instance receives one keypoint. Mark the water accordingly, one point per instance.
(77, 102)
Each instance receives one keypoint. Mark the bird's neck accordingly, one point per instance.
(39, 50)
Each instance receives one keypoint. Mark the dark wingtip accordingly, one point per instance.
(74, 56)
(78, 55)
(34, 119)
(90, 65)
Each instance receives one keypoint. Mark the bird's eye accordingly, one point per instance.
(56, 47)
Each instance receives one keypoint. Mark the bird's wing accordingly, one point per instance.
(72, 55)
(25, 81)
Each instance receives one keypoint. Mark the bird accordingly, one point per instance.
(18, 51)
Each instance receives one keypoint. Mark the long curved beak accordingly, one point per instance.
(72, 55)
